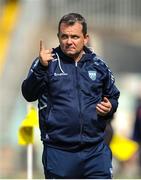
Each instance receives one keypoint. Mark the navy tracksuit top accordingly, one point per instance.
(67, 94)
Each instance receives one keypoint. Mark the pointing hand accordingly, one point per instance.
(45, 55)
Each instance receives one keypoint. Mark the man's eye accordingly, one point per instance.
(64, 37)
(75, 37)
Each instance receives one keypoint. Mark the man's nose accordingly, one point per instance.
(69, 41)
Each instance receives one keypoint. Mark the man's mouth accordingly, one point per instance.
(70, 48)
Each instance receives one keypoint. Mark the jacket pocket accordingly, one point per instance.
(59, 85)
(50, 120)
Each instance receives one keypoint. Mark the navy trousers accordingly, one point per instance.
(88, 163)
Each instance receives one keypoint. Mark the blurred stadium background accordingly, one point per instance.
(115, 34)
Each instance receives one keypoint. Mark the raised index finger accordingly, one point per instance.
(41, 45)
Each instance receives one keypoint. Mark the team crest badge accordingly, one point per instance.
(92, 75)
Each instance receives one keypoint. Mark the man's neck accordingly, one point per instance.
(78, 57)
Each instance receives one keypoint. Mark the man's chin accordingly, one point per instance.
(70, 53)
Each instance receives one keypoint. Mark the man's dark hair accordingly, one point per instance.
(71, 19)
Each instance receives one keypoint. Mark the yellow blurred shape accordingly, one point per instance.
(26, 130)
(123, 148)
(7, 24)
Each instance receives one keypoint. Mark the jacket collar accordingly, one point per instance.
(89, 54)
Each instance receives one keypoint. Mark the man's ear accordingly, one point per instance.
(86, 39)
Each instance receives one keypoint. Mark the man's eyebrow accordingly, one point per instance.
(63, 34)
(69, 34)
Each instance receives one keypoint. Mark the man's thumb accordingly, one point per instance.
(105, 99)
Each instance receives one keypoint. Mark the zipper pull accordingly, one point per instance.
(75, 63)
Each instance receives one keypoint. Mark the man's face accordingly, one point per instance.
(71, 39)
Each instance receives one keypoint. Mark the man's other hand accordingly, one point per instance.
(104, 107)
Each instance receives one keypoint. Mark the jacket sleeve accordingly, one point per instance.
(111, 92)
(35, 83)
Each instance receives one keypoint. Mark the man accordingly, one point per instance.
(76, 95)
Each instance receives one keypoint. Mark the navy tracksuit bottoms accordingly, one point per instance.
(88, 163)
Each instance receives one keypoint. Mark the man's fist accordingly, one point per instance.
(104, 107)
(45, 55)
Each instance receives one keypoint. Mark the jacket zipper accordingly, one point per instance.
(78, 95)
